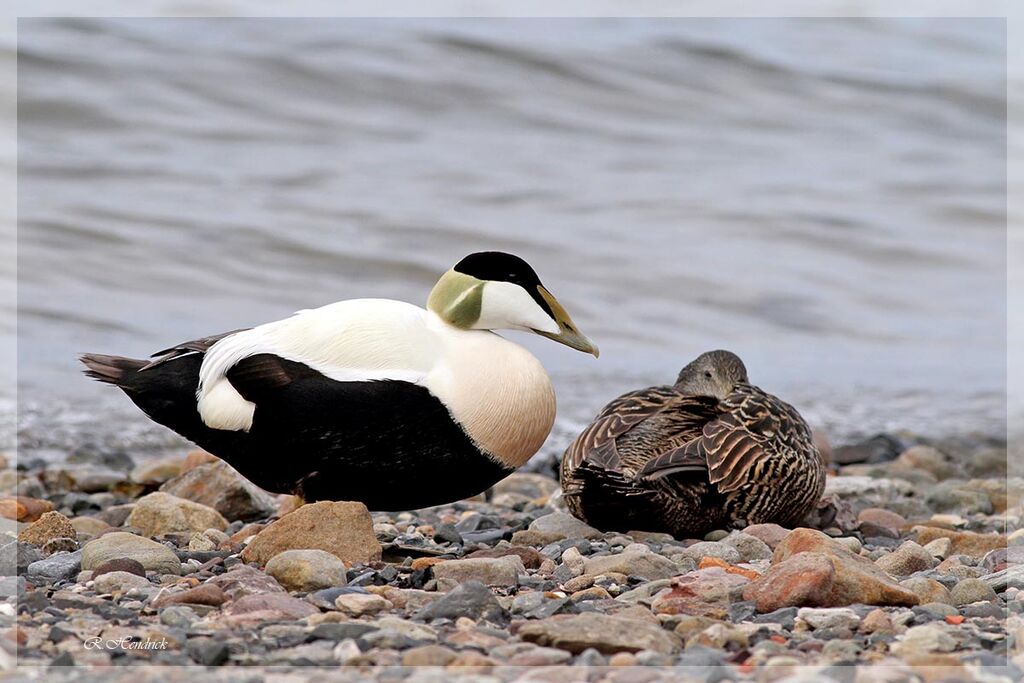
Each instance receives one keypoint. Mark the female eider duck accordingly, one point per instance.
(369, 400)
(710, 452)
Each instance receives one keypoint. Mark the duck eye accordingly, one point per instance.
(707, 373)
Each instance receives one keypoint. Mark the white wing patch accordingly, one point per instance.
(349, 341)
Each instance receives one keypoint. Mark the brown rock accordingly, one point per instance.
(927, 590)
(269, 607)
(530, 557)
(89, 526)
(770, 534)
(156, 472)
(882, 517)
(428, 655)
(606, 634)
(244, 580)
(926, 458)
(205, 594)
(877, 621)
(24, 509)
(470, 662)
(802, 580)
(424, 562)
(497, 571)
(161, 513)
(964, 542)
(196, 458)
(409, 599)
(908, 559)
(115, 515)
(49, 526)
(245, 532)
(529, 537)
(705, 592)
(360, 604)
(342, 528)
(121, 564)
(808, 583)
(219, 486)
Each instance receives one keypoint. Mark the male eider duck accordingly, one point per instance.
(369, 400)
(710, 452)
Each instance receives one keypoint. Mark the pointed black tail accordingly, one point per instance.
(114, 370)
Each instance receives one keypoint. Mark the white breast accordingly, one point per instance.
(495, 389)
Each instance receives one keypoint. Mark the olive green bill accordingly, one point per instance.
(568, 333)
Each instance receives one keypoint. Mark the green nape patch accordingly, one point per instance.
(457, 298)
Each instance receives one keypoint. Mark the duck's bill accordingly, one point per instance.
(568, 333)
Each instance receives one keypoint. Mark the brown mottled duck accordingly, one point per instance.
(710, 452)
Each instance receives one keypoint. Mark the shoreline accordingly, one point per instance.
(925, 542)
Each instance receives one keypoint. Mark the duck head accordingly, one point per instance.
(714, 374)
(492, 290)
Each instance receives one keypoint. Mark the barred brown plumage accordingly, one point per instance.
(710, 452)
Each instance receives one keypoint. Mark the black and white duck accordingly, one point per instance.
(369, 400)
(710, 452)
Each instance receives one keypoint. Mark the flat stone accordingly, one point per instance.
(498, 571)
(344, 529)
(361, 604)
(428, 655)
(933, 637)
(119, 582)
(705, 592)
(245, 580)
(219, 486)
(306, 570)
(531, 558)
(526, 484)
(161, 513)
(560, 525)
(717, 549)
(646, 565)
(121, 564)
(1011, 577)
(829, 617)
(119, 544)
(471, 599)
(60, 566)
(269, 607)
(204, 594)
(604, 633)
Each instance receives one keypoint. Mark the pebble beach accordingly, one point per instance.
(908, 571)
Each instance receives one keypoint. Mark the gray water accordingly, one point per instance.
(824, 197)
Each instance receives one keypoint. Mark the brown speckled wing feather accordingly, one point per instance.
(734, 443)
(596, 444)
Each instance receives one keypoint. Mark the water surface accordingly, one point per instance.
(824, 197)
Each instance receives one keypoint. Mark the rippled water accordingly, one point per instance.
(824, 197)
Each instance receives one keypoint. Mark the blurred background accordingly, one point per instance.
(825, 197)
